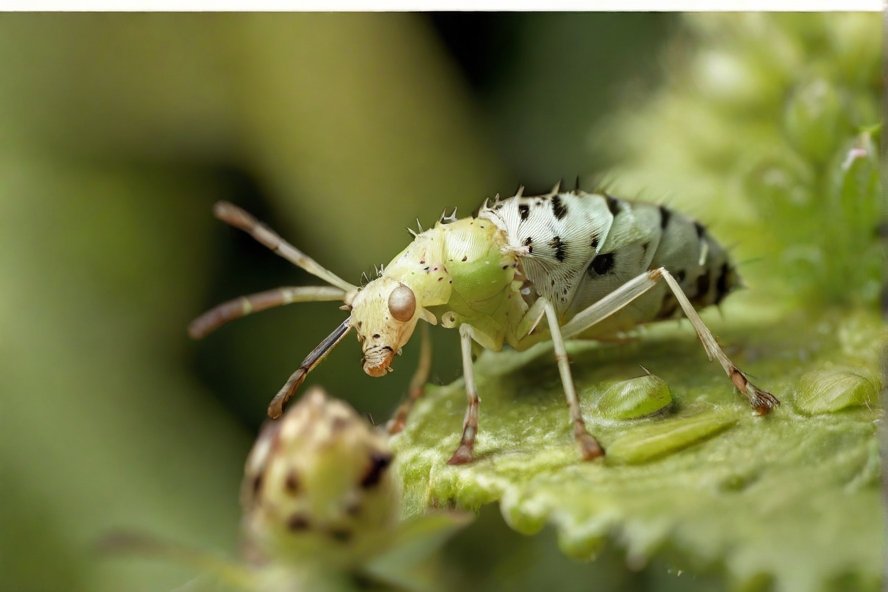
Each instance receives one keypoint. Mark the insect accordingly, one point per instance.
(573, 258)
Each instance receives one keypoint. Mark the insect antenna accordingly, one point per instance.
(577, 184)
(311, 361)
(245, 305)
(235, 216)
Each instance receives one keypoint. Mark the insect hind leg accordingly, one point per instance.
(760, 400)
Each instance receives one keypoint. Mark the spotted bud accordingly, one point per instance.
(318, 483)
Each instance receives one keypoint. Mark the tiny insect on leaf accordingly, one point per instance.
(592, 264)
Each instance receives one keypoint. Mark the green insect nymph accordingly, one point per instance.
(576, 259)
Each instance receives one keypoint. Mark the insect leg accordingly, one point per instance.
(463, 453)
(244, 305)
(531, 319)
(761, 401)
(589, 447)
(276, 407)
(417, 383)
(235, 216)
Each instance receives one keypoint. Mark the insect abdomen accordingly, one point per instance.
(667, 239)
(697, 261)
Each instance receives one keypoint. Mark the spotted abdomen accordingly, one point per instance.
(577, 247)
(683, 246)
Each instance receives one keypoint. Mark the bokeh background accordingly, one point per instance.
(339, 130)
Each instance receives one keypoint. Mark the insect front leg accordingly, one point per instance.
(417, 384)
(317, 355)
(762, 401)
(463, 453)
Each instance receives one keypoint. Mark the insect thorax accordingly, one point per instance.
(462, 272)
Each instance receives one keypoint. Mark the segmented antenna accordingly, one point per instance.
(238, 218)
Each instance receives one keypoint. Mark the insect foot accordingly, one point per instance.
(762, 401)
(589, 447)
(464, 452)
(462, 456)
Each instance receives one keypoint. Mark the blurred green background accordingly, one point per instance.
(120, 131)
(339, 130)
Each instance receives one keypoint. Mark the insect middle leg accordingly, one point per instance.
(417, 384)
(589, 447)
(463, 453)
(762, 401)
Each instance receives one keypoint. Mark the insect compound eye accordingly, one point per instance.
(402, 303)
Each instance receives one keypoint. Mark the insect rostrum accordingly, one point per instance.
(576, 258)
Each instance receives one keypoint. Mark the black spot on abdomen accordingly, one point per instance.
(665, 214)
(613, 204)
(704, 281)
(559, 210)
(701, 230)
(523, 211)
(560, 248)
(723, 285)
(601, 264)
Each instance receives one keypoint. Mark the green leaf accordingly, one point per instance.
(788, 498)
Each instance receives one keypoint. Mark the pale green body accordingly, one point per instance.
(462, 272)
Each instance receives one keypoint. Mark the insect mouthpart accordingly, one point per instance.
(378, 360)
